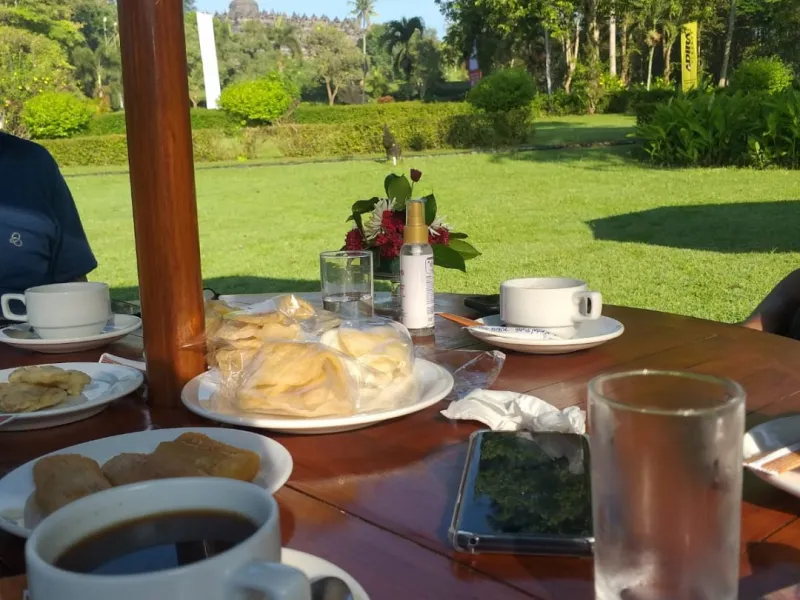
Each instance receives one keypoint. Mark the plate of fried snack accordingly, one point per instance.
(42, 396)
(283, 365)
(42, 486)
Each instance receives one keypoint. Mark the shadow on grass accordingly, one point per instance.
(739, 227)
(583, 158)
(236, 284)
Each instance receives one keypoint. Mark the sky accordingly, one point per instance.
(387, 9)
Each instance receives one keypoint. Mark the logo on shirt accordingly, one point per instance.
(16, 239)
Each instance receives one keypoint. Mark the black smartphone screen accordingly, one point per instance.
(523, 485)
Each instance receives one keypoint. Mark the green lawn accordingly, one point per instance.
(703, 242)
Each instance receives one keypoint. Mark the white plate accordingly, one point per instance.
(429, 384)
(589, 335)
(770, 436)
(109, 382)
(23, 336)
(315, 567)
(19, 513)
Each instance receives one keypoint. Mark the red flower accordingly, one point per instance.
(442, 237)
(354, 240)
(416, 175)
(388, 222)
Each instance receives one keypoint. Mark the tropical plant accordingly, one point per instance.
(398, 40)
(285, 36)
(364, 11)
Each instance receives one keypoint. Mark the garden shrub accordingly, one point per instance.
(725, 129)
(56, 115)
(559, 104)
(503, 91)
(262, 101)
(762, 75)
(644, 102)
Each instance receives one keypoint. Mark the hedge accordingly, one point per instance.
(114, 122)
(209, 145)
(307, 114)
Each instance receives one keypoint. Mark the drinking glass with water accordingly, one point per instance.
(666, 453)
(347, 288)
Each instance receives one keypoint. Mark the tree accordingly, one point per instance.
(364, 11)
(398, 41)
(194, 60)
(284, 36)
(336, 61)
(726, 55)
(189, 5)
(97, 61)
(53, 20)
(427, 60)
(30, 64)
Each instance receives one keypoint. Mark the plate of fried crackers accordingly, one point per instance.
(43, 396)
(42, 486)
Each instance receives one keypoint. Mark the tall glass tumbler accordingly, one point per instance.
(347, 287)
(666, 454)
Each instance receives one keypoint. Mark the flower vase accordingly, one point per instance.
(388, 270)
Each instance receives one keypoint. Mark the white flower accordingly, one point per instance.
(372, 227)
(438, 223)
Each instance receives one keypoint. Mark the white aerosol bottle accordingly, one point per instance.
(416, 273)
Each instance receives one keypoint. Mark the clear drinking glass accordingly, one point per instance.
(347, 283)
(666, 454)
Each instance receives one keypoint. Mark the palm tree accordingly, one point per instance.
(363, 11)
(284, 35)
(398, 41)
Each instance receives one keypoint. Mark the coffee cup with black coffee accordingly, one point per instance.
(209, 538)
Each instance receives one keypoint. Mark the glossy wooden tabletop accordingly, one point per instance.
(378, 501)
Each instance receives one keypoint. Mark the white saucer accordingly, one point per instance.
(19, 513)
(589, 335)
(427, 386)
(315, 567)
(23, 336)
(770, 436)
(109, 382)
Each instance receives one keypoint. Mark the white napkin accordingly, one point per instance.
(510, 411)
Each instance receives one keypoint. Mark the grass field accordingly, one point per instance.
(707, 242)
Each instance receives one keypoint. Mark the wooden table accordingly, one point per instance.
(378, 501)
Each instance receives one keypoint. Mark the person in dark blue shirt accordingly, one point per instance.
(41, 236)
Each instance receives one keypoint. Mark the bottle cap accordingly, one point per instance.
(416, 231)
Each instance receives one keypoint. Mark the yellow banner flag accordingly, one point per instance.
(690, 67)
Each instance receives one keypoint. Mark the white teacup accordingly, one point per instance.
(62, 310)
(251, 566)
(556, 304)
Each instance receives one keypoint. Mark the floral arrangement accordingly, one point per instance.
(378, 226)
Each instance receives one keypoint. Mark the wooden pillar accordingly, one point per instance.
(162, 187)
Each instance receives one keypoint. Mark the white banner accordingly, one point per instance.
(208, 53)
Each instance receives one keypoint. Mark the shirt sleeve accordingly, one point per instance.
(72, 256)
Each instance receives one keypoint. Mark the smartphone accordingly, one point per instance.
(485, 305)
(524, 493)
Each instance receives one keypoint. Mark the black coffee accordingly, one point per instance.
(156, 543)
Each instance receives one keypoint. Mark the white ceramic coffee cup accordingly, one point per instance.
(251, 566)
(63, 310)
(557, 304)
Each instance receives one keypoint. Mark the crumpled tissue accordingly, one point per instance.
(510, 411)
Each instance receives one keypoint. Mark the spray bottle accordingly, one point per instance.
(416, 273)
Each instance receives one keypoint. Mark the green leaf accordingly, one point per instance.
(398, 188)
(364, 206)
(446, 257)
(458, 236)
(430, 209)
(465, 249)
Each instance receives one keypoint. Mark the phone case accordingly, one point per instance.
(486, 305)
(523, 543)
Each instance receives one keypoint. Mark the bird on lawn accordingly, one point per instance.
(390, 144)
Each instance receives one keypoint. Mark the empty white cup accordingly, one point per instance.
(557, 304)
(62, 310)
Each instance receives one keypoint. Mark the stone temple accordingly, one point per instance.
(247, 10)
